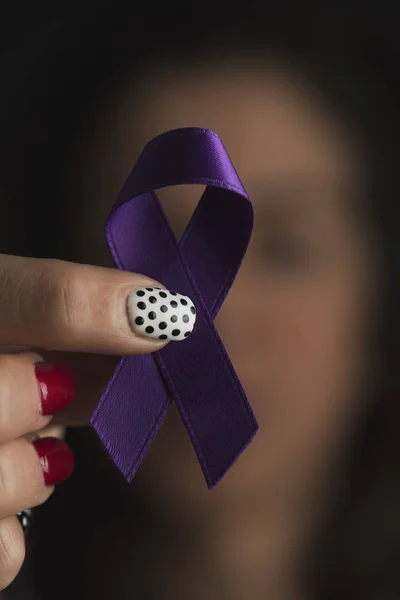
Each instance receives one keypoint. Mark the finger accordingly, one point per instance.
(30, 392)
(29, 471)
(92, 373)
(12, 550)
(57, 305)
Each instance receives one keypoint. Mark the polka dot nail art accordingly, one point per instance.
(158, 313)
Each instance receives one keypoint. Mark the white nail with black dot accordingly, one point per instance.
(158, 313)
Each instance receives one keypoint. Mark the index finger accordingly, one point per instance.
(58, 305)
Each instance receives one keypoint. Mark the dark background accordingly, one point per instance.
(51, 58)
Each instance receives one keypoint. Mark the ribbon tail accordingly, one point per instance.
(125, 423)
(215, 411)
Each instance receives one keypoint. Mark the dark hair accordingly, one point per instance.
(353, 66)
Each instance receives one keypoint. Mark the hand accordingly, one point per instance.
(62, 315)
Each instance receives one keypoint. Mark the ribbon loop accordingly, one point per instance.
(198, 374)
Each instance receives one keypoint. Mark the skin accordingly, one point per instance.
(49, 304)
(296, 324)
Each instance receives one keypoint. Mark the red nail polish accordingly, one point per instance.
(56, 459)
(57, 386)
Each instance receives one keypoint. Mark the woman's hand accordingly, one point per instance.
(53, 310)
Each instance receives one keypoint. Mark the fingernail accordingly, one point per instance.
(57, 386)
(56, 459)
(158, 313)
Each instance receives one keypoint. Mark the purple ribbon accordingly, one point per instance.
(197, 373)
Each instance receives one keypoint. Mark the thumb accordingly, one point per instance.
(58, 305)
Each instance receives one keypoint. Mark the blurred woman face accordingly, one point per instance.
(296, 322)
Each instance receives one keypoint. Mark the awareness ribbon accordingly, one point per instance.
(197, 373)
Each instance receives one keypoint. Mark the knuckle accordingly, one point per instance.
(110, 304)
(12, 551)
(41, 493)
(6, 405)
(65, 302)
(77, 301)
(66, 307)
(9, 480)
(21, 478)
(17, 407)
(7, 365)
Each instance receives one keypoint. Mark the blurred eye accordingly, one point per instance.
(288, 253)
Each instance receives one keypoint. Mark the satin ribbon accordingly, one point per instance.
(196, 373)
